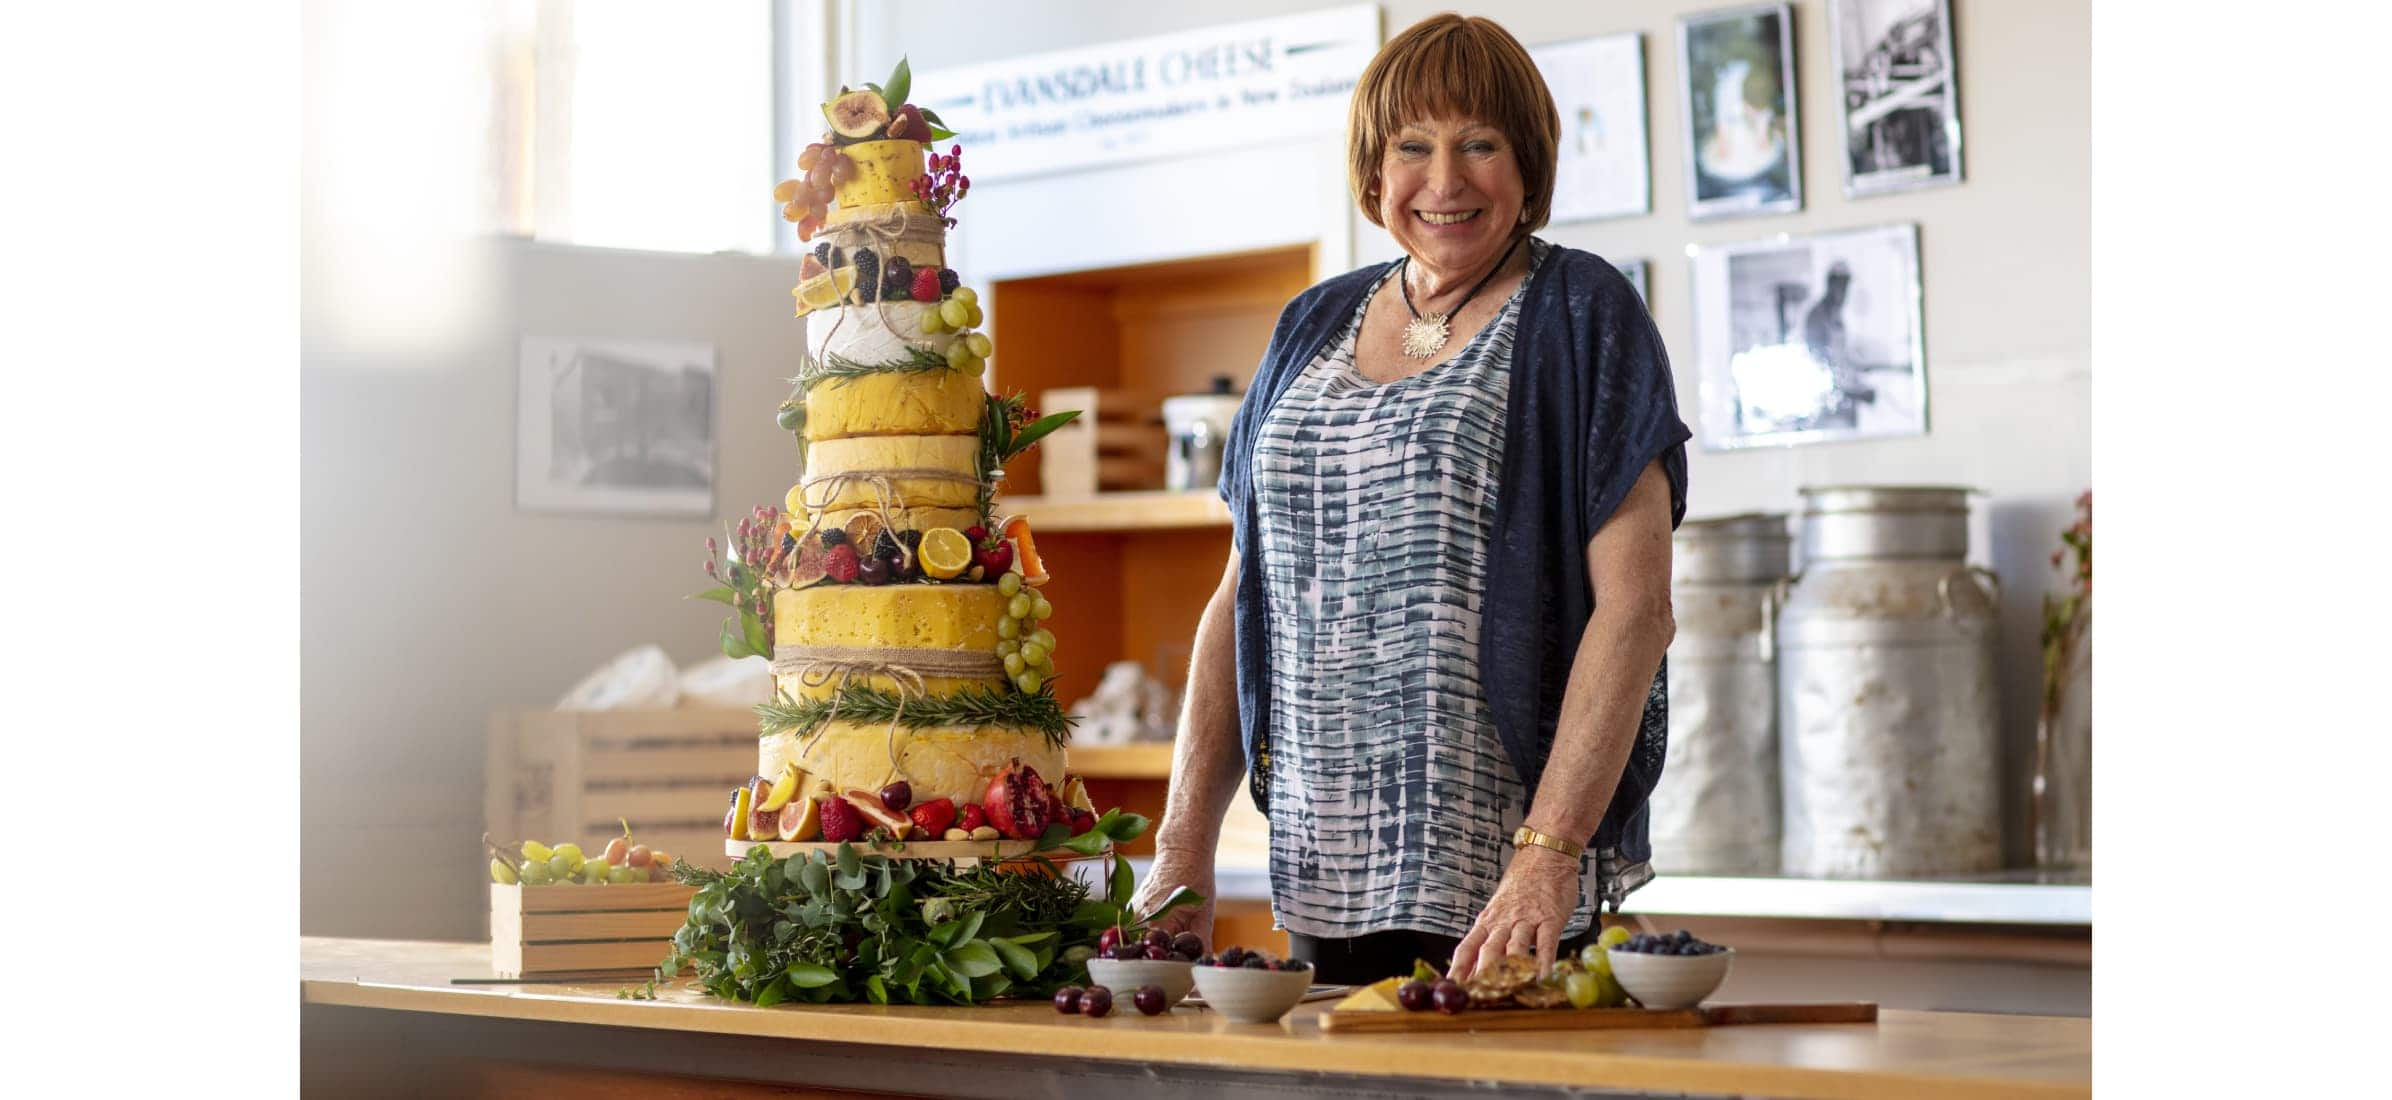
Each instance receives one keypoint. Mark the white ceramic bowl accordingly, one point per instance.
(1124, 976)
(1670, 981)
(1252, 996)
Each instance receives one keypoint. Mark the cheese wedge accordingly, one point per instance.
(1378, 996)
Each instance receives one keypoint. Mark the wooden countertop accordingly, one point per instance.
(1905, 1054)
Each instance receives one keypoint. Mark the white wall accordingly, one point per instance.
(2005, 254)
(429, 601)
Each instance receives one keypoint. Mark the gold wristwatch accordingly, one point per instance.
(1527, 836)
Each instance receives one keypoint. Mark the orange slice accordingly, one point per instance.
(1025, 552)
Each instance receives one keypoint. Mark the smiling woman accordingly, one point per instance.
(1440, 463)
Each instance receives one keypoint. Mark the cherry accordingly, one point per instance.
(1106, 939)
(1150, 1000)
(1156, 937)
(1188, 943)
(1067, 1000)
(1158, 952)
(1097, 1001)
(1413, 995)
(1449, 996)
(898, 795)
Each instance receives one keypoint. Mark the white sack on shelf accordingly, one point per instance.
(1128, 706)
(639, 679)
(723, 682)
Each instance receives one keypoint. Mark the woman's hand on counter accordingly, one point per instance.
(1172, 869)
(1531, 906)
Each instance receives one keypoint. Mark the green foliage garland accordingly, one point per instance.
(858, 926)
(973, 706)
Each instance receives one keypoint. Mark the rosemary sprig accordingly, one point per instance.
(973, 706)
(839, 368)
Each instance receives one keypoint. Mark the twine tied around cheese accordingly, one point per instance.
(886, 229)
(910, 669)
(884, 493)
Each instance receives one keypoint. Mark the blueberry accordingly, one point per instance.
(1256, 962)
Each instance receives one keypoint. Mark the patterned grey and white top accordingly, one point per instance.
(1394, 801)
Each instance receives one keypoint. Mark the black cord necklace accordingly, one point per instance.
(1426, 336)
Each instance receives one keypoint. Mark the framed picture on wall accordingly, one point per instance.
(1638, 272)
(617, 427)
(1604, 169)
(1810, 339)
(1743, 141)
(1901, 102)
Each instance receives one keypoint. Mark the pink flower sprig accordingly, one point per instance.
(744, 572)
(945, 184)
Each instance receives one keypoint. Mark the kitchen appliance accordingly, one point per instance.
(1198, 427)
(1716, 809)
(1888, 710)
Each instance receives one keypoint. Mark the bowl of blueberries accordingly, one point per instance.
(1156, 958)
(1671, 969)
(1252, 987)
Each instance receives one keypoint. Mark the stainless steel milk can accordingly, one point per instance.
(1715, 811)
(1889, 718)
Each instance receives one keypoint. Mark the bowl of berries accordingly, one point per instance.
(1251, 987)
(1156, 958)
(1670, 970)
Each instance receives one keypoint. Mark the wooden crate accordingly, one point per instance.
(1116, 444)
(550, 930)
(556, 776)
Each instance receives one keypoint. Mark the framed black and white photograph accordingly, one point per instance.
(1604, 168)
(1743, 141)
(1901, 101)
(619, 427)
(1810, 339)
(1639, 273)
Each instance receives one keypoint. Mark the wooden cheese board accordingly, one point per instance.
(1546, 1019)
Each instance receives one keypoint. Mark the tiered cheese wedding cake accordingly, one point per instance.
(905, 625)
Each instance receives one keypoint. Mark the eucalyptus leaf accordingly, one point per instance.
(972, 960)
(815, 877)
(806, 975)
(1018, 959)
(1037, 430)
(849, 861)
(901, 82)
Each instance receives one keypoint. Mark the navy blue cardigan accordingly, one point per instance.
(1591, 404)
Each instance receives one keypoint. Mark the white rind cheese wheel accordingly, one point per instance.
(958, 455)
(933, 402)
(938, 762)
(873, 333)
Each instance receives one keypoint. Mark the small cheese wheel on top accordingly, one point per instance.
(955, 455)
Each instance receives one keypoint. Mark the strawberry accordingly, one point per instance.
(973, 816)
(842, 564)
(840, 821)
(978, 535)
(1081, 821)
(926, 284)
(934, 817)
(995, 560)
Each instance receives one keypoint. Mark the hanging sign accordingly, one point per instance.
(1196, 91)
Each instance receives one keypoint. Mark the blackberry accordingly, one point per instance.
(867, 275)
(897, 280)
(948, 281)
(832, 536)
(911, 539)
(822, 253)
(886, 546)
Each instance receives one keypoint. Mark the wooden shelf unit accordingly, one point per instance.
(1144, 760)
(1120, 512)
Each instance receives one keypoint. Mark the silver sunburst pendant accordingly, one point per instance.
(1425, 336)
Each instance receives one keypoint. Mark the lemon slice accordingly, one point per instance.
(784, 789)
(945, 552)
(825, 290)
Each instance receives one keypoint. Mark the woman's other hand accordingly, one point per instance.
(1531, 905)
(1174, 868)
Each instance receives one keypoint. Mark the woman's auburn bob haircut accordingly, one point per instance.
(1449, 66)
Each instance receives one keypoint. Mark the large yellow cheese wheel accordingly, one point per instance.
(933, 402)
(874, 333)
(938, 762)
(958, 455)
(884, 172)
(916, 616)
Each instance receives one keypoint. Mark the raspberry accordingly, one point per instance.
(840, 821)
(948, 281)
(973, 816)
(843, 564)
(927, 284)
